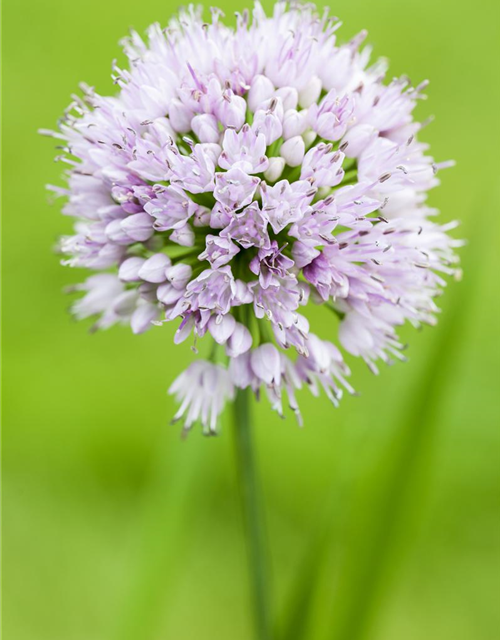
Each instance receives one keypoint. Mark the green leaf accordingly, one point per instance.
(383, 520)
(382, 516)
(301, 599)
(159, 539)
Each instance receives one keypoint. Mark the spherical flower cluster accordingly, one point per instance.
(239, 174)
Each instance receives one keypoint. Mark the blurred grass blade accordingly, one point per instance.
(160, 534)
(301, 600)
(381, 517)
(381, 523)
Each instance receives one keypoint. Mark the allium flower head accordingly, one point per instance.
(240, 174)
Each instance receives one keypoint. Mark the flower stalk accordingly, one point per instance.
(252, 515)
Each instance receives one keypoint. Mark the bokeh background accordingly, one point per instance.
(383, 515)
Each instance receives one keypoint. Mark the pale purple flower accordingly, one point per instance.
(331, 116)
(285, 203)
(325, 367)
(219, 251)
(265, 363)
(240, 174)
(194, 173)
(268, 120)
(271, 265)
(246, 150)
(249, 229)
(235, 189)
(101, 292)
(170, 209)
(213, 290)
(143, 316)
(322, 166)
(202, 389)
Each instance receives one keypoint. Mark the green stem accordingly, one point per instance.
(252, 513)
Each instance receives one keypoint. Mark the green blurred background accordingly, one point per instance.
(114, 529)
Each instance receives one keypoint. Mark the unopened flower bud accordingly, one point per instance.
(221, 327)
(212, 150)
(129, 269)
(358, 138)
(293, 150)
(178, 274)
(201, 217)
(275, 169)
(243, 294)
(268, 120)
(168, 294)
(231, 110)
(289, 97)
(310, 93)
(180, 116)
(266, 364)
(139, 226)
(115, 233)
(309, 137)
(239, 342)
(206, 128)
(294, 123)
(240, 370)
(183, 236)
(153, 270)
(261, 90)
